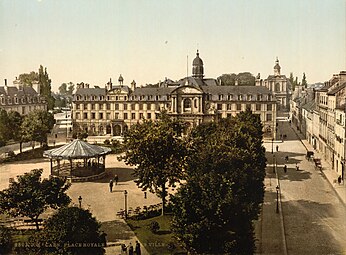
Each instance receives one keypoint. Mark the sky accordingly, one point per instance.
(147, 40)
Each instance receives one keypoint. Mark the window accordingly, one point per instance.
(85, 115)
(277, 87)
(219, 107)
(77, 106)
(116, 106)
(249, 97)
(187, 104)
(93, 115)
(239, 97)
(230, 97)
(92, 106)
(258, 107)
(141, 116)
(116, 115)
(149, 115)
(108, 116)
(259, 97)
(101, 106)
(269, 107)
(196, 102)
(100, 115)
(125, 116)
(220, 97)
(269, 117)
(238, 107)
(77, 115)
(133, 116)
(229, 106)
(140, 106)
(108, 106)
(125, 106)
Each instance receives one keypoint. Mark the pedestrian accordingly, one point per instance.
(285, 168)
(103, 238)
(138, 248)
(130, 249)
(286, 158)
(116, 178)
(111, 185)
(339, 179)
(123, 249)
(297, 167)
(277, 147)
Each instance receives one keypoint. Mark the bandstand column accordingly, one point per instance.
(51, 166)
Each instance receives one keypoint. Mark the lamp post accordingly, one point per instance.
(274, 164)
(272, 145)
(277, 198)
(125, 194)
(80, 201)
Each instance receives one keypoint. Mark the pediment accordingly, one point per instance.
(188, 90)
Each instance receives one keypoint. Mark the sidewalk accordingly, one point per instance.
(327, 171)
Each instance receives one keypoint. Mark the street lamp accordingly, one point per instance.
(274, 164)
(125, 194)
(272, 145)
(277, 198)
(80, 201)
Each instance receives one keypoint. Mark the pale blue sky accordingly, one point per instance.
(146, 41)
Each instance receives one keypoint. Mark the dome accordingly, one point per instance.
(277, 67)
(197, 61)
(197, 67)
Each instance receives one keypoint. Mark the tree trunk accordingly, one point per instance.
(163, 198)
(20, 146)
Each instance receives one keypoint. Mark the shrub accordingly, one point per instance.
(154, 226)
(107, 142)
(5, 240)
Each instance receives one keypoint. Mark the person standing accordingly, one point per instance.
(285, 168)
(138, 248)
(116, 178)
(297, 167)
(111, 185)
(277, 147)
(130, 249)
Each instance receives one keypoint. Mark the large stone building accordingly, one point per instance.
(22, 99)
(279, 84)
(110, 111)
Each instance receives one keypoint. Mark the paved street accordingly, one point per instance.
(313, 217)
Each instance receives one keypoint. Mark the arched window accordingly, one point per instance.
(187, 104)
(277, 87)
(196, 102)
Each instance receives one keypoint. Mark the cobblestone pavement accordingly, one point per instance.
(312, 214)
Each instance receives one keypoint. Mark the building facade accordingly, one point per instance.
(22, 99)
(111, 110)
(279, 85)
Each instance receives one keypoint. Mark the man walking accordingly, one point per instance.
(111, 185)
(285, 168)
(116, 178)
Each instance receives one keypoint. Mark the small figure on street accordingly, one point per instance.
(277, 147)
(285, 168)
(103, 238)
(297, 167)
(111, 185)
(130, 249)
(339, 179)
(138, 248)
(123, 249)
(116, 178)
(286, 158)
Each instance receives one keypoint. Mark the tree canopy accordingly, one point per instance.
(157, 152)
(225, 169)
(36, 125)
(29, 196)
(243, 79)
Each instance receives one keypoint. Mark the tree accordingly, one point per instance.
(243, 79)
(72, 225)
(157, 152)
(6, 240)
(45, 83)
(27, 79)
(4, 126)
(29, 196)
(63, 89)
(225, 168)
(304, 82)
(36, 125)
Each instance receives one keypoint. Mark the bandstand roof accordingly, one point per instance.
(77, 149)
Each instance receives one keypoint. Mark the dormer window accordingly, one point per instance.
(230, 97)
(220, 97)
(16, 100)
(249, 97)
(240, 97)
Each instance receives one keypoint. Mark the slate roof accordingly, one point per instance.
(309, 105)
(12, 91)
(236, 90)
(77, 149)
(91, 91)
(337, 89)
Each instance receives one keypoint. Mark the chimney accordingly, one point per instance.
(36, 86)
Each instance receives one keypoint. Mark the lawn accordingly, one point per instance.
(159, 243)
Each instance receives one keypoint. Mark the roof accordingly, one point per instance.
(237, 90)
(152, 91)
(77, 149)
(14, 91)
(309, 105)
(91, 91)
(336, 89)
